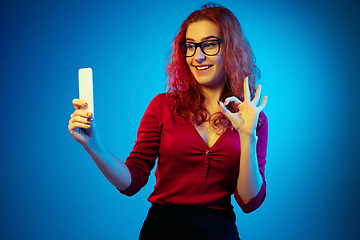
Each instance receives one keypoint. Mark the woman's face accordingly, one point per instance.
(209, 71)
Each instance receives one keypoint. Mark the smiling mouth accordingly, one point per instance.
(203, 67)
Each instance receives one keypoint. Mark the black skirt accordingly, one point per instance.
(172, 222)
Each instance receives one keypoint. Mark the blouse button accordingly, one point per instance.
(207, 151)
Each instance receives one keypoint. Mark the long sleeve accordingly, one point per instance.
(146, 149)
(262, 134)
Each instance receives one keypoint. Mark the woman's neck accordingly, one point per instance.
(212, 95)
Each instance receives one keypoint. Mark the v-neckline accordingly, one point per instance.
(217, 140)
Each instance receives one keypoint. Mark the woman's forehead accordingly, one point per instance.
(201, 30)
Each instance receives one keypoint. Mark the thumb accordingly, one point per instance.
(224, 110)
(234, 118)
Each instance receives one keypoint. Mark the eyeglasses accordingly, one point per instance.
(209, 47)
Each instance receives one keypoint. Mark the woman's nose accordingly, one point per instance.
(199, 56)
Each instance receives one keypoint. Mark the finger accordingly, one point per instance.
(231, 99)
(80, 119)
(263, 104)
(246, 89)
(240, 107)
(75, 125)
(257, 95)
(224, 110)
(79, 103)
(82, 113)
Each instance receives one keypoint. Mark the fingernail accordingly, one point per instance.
(90, 119)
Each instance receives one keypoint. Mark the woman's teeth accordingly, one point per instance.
(202, 67)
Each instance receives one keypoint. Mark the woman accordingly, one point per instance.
(207, 132)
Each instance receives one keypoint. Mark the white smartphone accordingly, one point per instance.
(86, 88)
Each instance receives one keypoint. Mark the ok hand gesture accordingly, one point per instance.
(245, 120)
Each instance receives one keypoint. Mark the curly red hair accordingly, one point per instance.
(239, 63)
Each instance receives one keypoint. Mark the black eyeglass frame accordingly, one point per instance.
(183, 44)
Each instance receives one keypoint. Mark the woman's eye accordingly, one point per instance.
(210, 44)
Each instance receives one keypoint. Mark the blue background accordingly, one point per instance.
(308, 52)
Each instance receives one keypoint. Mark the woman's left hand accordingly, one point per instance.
(245, 120)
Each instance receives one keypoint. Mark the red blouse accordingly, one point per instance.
(188, 172)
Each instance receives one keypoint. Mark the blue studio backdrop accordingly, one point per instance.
(307, 51)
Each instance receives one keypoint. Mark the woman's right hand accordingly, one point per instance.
(83, 129)
(80, 123)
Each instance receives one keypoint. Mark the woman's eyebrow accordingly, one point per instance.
(203, 39)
